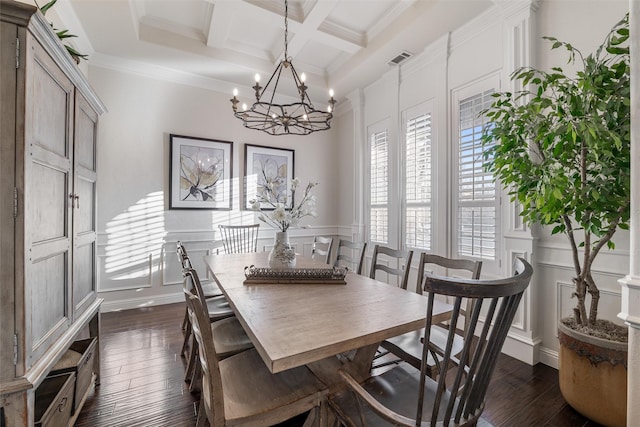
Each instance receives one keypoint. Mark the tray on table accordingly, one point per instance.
(294, 276)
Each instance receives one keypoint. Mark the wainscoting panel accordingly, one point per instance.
(138, 272)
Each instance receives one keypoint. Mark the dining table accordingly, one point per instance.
(324, 326)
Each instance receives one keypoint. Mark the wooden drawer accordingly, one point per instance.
(54, 399)
(78, 359)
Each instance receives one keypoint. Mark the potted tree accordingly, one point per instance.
(561, 147)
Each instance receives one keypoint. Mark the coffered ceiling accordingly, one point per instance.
(342, 44)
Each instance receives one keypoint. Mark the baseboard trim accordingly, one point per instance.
(524, 350)
(548, 357)
(131, 303)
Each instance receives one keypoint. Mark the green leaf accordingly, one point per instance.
(558, 194)
(47, 6)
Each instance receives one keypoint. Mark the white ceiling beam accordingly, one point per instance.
(341, 38)
(307, 29)
(220, 25)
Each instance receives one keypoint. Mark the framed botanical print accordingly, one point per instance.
(267, 166)
(200, 173)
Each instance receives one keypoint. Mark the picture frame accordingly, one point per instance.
(200, 173)
(262, 163)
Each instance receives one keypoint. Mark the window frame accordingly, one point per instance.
(425, 108)
(478, 87)
(377, 128)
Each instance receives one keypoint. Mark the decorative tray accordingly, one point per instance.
(294, 276)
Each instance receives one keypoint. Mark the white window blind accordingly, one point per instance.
(379, 197)
(418, 182)
(476, 189)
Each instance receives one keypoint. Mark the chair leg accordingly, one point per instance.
(324, 413)
(193, 362)
(312, 418)
(196, 379)
(201, 421)
(187, 335)
(185, 320)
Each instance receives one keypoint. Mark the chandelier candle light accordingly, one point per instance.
(297, 118)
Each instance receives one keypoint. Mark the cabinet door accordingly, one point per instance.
(47, 204)
(84, 212)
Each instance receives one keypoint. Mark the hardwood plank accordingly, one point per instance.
(142, 380)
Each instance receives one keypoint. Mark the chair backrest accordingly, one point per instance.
(470, 266)
(498, 300)
(237, 239)
(350, 254)
(191, 284)
(321, 249)
(183, 257)
(397, 256)
(211, 391)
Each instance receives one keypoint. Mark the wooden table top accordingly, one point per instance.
(295, 324)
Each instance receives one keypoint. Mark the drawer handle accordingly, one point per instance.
(62, 404)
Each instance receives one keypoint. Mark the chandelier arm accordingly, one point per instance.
(266, 87)
(273, 93)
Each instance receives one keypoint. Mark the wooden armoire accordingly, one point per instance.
(48, 125)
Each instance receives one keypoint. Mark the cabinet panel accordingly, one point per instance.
(86, 131)
(47, 191)
(48, 280)
(50, 113)
(84, 279)
(84, 211)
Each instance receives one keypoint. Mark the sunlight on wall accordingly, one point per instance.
(238, 216)
(135, 238)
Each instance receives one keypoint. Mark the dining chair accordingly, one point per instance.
(237, 239)
(400, 397)
(321, 249)
(231, 338)
(399, 257)
(408, 347)
(211, 290)
(350, 254)
(240, 390)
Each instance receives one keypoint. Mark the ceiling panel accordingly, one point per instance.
(345, 42)
(361, 15)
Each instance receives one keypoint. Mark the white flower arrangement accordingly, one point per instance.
(280, 217)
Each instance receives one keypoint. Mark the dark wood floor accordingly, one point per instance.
(142, 380)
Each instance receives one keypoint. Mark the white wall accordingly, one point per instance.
(344, 142)
(480, 49)
(137, 231)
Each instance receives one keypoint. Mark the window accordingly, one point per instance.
(477, 210)
(379, 187)
(418, 181)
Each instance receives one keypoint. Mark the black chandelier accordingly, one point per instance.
(298, 118)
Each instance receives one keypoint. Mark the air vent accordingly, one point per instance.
(400, 58)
